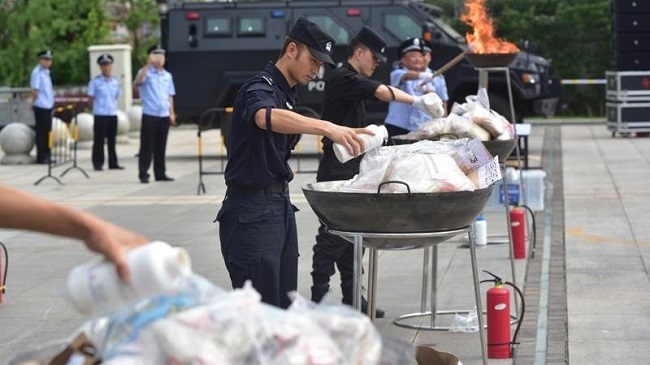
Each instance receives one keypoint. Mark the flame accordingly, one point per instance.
(483, 39)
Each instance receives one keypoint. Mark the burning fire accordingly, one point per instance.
(483, 39)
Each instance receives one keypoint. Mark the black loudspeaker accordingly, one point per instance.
(630, 6)
(630, 35)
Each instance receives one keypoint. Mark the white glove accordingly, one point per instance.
(429, 103)
(425, 76)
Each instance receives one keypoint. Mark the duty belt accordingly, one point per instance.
(278, 187)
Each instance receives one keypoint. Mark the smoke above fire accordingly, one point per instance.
(483, 39)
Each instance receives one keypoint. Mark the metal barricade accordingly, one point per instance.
(208, 120)
(214, 118)
(62, 142)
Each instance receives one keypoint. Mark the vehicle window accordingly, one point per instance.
(218, 27)
(340, 35)
(402, 26)
(251, 26)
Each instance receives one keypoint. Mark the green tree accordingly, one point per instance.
(67, 27)
(143, 23)
(575, 35)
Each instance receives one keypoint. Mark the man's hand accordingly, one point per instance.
(349, 138)
(429, 103)
(113, 241)
(172, 119)
(425, 76)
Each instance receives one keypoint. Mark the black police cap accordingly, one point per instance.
(156, 49)
(427, 46)
(46, 54)
(373, 41)
(320, 44)
(411, 44)
(105, 58)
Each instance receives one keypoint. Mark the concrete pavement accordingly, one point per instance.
(587, 288)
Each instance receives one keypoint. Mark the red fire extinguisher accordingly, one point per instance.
(498, 321)
(3, 274)
(498, 318)
(518, 229)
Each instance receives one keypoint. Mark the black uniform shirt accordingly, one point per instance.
(256, 157)
(345, 99)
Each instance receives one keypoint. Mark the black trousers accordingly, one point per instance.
(105, 129)
(153, 143)
(331, 251)
(259, 242)
(43, 118)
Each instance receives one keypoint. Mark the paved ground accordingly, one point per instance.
(587, 287)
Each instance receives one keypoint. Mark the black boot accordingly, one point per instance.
(318, 292)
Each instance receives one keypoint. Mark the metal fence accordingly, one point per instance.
(62, 142)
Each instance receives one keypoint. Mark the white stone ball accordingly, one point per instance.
(134, 112)
(85, 124)
(123, 126)
(60, 132)
(17, 139)
(123, 123)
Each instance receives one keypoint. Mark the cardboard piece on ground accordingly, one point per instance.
(427, 355)
(80, 351)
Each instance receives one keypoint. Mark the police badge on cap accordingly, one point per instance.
(411, 44)
(320, 44)
(104, 59)
(156, 49)
(45, 54)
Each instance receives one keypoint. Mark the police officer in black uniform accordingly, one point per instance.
(346, 93)
(257, 225)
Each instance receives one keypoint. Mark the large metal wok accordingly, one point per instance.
(487, 60)
(406, 213)
(501, 148)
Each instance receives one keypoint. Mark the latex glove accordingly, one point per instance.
(420, 86)
(425, 76)
(429, 103)
(423, 79)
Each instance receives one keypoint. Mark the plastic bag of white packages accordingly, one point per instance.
(352, 331)
(426, 173)
(119, 335)
(414, 165)
(239, 329)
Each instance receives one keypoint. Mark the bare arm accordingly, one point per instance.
(91, 100)
(19, 210)
(140, 77)
(410, 75)
(172, 115)
(288, 122)
(33, 95)
(383, 93)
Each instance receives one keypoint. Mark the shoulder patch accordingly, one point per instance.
(261, 87)
(268, 79)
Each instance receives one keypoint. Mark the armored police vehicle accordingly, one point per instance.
(214, 47)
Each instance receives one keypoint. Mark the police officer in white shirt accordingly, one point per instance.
(103, 92)
(42, 103)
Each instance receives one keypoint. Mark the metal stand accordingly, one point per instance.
(434, 312)
(437, 237)
(483, 73)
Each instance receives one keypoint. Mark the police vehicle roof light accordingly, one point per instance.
(277, 14)
(353, 12)
(192, 15)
